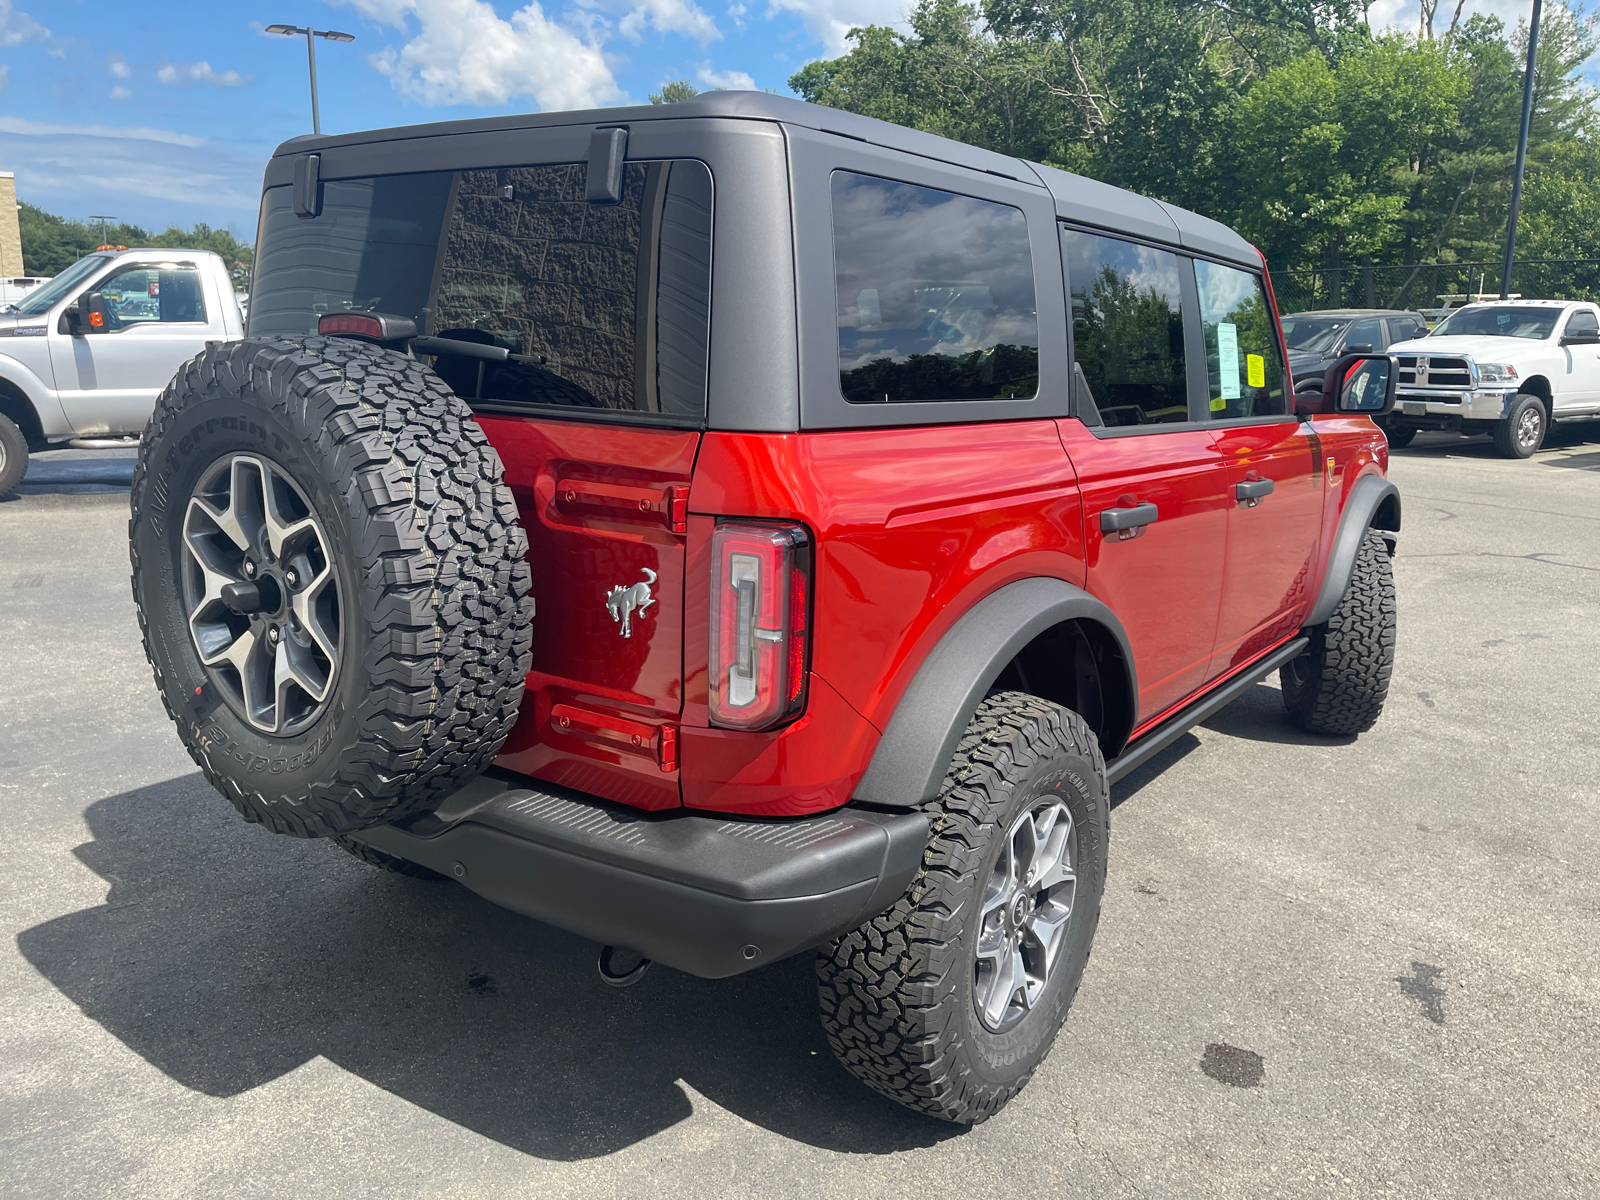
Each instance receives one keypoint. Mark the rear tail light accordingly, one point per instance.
(379, 327)
(760, 623)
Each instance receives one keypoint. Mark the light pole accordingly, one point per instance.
(102, 219)
(333, 35)
(1522, 152)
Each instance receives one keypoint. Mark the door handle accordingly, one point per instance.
(1126, 520)
(1249, 492)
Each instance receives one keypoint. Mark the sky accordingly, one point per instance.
(165, 113)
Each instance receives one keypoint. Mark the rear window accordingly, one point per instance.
(606, 307)
(935, 294)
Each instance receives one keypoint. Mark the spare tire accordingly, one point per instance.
(331, 581)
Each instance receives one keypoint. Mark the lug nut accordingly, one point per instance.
(249, 569)
(272, 634)
(292, 578)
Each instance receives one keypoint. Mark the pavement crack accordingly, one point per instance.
(1077, 1134)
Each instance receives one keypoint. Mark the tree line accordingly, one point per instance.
(50, 243)
(1325, 144)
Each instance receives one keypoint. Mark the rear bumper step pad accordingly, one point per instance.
(711, 895)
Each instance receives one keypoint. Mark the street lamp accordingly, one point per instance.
(333, 35)
(1522, 152)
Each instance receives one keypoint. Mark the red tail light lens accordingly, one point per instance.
(760, 623)
(360, 324)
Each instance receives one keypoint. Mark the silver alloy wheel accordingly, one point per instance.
(1529, 426)
(1022, 923)
(262, 596)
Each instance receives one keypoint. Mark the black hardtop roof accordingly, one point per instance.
(1078, 199)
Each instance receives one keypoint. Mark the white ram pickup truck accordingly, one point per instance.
(84, 357)
(1508, 368)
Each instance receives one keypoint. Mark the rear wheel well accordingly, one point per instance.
(16, 406)
(1079, 665)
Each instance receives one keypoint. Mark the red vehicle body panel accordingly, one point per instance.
(596, 504)
(910, 526)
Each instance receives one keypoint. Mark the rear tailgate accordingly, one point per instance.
(606, 512)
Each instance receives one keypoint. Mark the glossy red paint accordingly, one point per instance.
(911, 527)
(1166, 584)
(602, 506)
(1272, 545)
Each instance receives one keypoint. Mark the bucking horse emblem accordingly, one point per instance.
(623, 602)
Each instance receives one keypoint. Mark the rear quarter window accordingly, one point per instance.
(935, 294)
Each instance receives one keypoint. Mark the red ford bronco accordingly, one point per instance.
(742, 527)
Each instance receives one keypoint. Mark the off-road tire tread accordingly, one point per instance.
(888, 989)
(447, 590)
(384, 861)
(1352, 655)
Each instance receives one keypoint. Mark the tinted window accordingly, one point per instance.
(1312, 334)
(1243, 371)
(1583, 321)
(601, 306)
(1368, 331)
(935, 294)
(1127, 327)
(169, 293)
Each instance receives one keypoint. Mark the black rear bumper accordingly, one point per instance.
(712, 895)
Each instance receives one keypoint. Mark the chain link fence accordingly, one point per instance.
(1432, 288)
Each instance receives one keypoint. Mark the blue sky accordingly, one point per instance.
(166, 112)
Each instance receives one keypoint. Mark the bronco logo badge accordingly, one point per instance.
(623, 602)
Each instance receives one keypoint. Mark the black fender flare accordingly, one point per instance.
(1370, 494)
(909, 764)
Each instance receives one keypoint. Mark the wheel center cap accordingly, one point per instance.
(1019, 911)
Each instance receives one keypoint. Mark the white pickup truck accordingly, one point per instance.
(1508, 368)
(84, 357)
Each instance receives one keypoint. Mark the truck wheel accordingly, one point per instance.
(1522, 432)
(1339, 684)
(331, 581)
(1400, 436)
(392, 863)
(13, 456)
(948, 1001)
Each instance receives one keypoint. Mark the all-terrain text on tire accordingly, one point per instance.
(331, 581)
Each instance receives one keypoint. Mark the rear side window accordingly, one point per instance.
(1243, 370)
(935, 294)
(603, 307)
(1127, 327)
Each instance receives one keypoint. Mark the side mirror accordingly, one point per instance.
(1584, 337)
(94, 314)
(1358, 348)
(1308, 398)
(1362, 383)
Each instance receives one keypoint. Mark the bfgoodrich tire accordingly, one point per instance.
(1339, 684)
(949, 1001)
(331, 582)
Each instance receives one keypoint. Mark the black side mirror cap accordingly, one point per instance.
(1586, 338)
(1361, 383)
(94, 314)
(1359, 348)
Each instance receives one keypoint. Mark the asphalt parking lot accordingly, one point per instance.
(1362, 967)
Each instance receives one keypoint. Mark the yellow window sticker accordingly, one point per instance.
(1255, 370)
(1218, 404)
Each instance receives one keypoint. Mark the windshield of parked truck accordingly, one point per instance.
(1500, 320)
(1313, 334)
(43, 297)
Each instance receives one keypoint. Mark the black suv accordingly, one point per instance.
(1318, 339)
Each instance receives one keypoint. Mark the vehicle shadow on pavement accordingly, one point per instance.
(60, 475)
(226, 957)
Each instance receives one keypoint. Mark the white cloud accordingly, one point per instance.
(670, 16)
(139, 133)
(733, 81)
(465, 53)
(119, 93)
(737, 12)
(200, 72)
(18, 27)
(830, 21)
(118, 66)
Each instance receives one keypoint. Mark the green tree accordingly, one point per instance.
(50, 243)
(674, 92)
